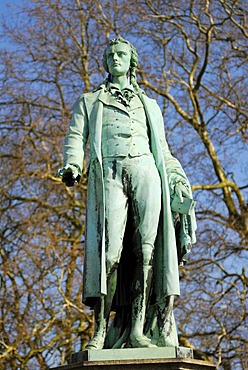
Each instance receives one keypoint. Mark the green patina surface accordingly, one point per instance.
(135, 238)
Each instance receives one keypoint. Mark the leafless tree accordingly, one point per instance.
(193, 60)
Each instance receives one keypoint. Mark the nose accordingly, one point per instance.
(115, 56)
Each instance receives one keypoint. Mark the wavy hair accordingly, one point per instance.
(133, 60)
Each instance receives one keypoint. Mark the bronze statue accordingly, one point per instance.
(140, 218)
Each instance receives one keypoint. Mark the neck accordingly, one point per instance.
(120, 81)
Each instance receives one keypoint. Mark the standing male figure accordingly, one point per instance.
(132, 180)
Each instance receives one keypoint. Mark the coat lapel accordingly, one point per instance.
(153, 118)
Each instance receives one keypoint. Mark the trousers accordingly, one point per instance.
(131, 184)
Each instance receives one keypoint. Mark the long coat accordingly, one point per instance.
(86, 123)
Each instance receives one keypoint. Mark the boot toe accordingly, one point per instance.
(141, 342)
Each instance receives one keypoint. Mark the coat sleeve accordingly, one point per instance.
(76, 138)
(175, 174)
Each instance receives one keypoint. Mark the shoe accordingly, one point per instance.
(141, 342)
(97, 342)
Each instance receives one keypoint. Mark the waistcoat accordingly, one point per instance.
(124, 129)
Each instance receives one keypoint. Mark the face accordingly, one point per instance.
(118, 59)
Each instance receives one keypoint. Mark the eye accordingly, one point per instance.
(121, 53)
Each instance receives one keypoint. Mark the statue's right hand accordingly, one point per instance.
(69, 174)
(68, 178)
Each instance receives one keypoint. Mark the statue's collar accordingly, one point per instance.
(112, 88)
(108, 86)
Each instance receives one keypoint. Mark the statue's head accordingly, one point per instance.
(133, 59)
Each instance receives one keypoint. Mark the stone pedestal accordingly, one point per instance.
(167, 358)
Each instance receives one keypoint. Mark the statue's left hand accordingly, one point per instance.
(182, 190)
(181, 197)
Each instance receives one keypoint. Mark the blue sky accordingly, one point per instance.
(8, 5)
(7, 8)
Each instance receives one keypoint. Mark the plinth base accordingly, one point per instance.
(132, 354)
(167, 358)
(152, 364)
